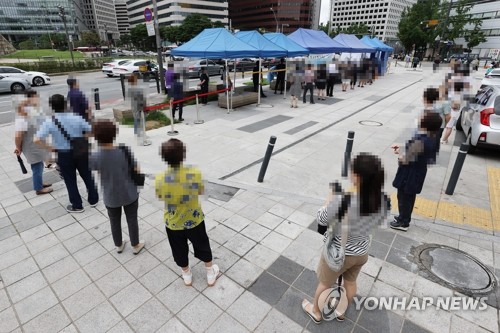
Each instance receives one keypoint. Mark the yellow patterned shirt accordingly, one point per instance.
(179, 189)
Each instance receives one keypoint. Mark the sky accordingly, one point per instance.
(325, 10)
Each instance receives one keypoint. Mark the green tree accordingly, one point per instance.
(190, 27)
(475, 36)
(140, 39)
(91, 38)
(27, 45)
(170, 33)
(124, 40)
(58, 41)
(413, 30)
(358, 29)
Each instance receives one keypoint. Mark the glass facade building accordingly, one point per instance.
(21, 19)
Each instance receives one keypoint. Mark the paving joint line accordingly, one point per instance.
(314, 133)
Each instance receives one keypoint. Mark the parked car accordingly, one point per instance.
(244, 64)
(107, 67)
(194, 68)
(131, 66)
(13, 84)
(35, 78)
(492, 78)
(480, 120)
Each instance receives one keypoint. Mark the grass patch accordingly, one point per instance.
(250, 83)
(35, 54)
(154, 119)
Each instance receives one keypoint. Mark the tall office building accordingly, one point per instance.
(100, 16)
(122, 17)
(286, 16)
(382, 16)
(23, 19)
(489, 13)
(174, 12)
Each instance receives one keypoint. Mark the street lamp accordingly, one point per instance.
(277, 26)
(284, 25)
(62, 15)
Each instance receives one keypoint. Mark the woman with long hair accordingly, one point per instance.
(366, 208)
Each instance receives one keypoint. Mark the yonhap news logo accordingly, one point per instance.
(451, 303)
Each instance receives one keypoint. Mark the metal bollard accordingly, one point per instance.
(97, 100)
(347, 154)
(172, 132)
(157, 78)
(198, 121)
(267, 157)
(122, 81)
(457, 168)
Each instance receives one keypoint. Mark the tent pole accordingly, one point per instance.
(286, 70)
(259, 87)
(227, 86)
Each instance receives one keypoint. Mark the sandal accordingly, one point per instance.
(305, 304)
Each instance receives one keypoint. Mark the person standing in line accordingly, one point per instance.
(204, 80)
(308, 84)
(344, 76)
(179, 187)
(321, 81)
(330, 81)
(119, 190)
(257, 79)
(177, 94)
(437, 100)
(353, 73)
(78, 103)
(280, 79)
(169, 77)
(138, 103)
(26, 124)
(455, 101)
(412, 170)
(295, 87)
(62, 127)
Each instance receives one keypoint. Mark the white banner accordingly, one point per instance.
(151, 28)
(494, 53)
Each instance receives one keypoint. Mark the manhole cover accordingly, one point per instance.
(455, 269)
(370, 123)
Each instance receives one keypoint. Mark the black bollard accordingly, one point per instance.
(267, 157)
(97, 100)
(347, 154)
(122, 80)
(157, 78)
(457, 168)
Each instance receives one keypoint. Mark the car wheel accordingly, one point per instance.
(38, 81)
(472, 148)
(110, 75)
(17, 87)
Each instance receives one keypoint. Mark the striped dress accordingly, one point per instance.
(360, 228)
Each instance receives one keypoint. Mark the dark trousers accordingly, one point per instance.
(280, 82)
(310, 87)
(256, 88)
(406, 201)
(204, 89)
(439, 134)
(178, 240)
(68, 166)
(329, 87)
(115, 219)
(176, 107)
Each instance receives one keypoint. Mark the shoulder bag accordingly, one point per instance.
(334, 256)
(137, 177)
(79, 145)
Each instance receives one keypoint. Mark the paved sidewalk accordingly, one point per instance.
(60, 272)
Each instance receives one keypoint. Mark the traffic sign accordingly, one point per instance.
(150, 28)
(148, 15)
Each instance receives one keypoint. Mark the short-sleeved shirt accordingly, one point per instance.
(33, 152)
(78, 103)
(180, 188)
(117, 185)
(74, 125)
(443, 108)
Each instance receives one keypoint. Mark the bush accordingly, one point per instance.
(27, 45)
(54, 66)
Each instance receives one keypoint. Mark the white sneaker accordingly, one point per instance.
(187, 277)
(212, 275)
(119, 249)
(138, 247)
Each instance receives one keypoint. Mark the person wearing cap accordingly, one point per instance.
(78, 103)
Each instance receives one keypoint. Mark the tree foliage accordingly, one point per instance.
(412, 29)
(27, 45)
(475, 36)
(91, 38)
(58, 41)
(358, 29)
(140, 39)
(190, 27)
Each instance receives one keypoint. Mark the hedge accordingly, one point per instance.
(59, 66)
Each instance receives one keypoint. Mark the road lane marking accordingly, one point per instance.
(6, 112)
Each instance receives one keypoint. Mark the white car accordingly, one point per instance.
(480, 120)
(492, 78)
(107, 67)
(131, 66)
(13, 84)
(35, 78)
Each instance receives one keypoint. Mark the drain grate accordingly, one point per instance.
(454, 269)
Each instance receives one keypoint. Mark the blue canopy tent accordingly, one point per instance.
(385, 51)
(355, 45)
(293, 49)
(317, 42)
(383, 46)
(215, 43)
(265, 48)
(368, 41)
